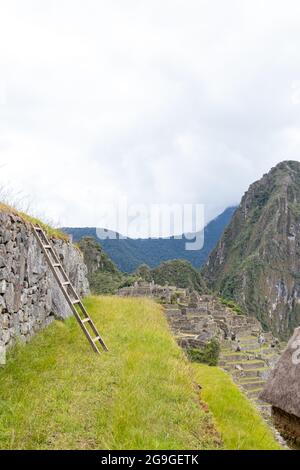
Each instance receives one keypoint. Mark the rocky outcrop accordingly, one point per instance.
(95, 258)
(29, 296)
(257, 261)
(103, 275)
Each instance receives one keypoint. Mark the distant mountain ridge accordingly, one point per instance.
(128, 254)
(257, 261)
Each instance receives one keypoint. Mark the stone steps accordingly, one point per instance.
(250, 375)
(233, 357)
(247, 337)
(252, 385)
(262, 404)
(251, 372)
(248, 346)
(243, 364)
(248, 380)
(254, 393)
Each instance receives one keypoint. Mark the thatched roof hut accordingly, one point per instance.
(282, 390)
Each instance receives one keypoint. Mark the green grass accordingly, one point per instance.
(55, 393)
(51, 232)
(236, 418)
(232, 305)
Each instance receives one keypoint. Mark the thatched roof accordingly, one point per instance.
(283, 387)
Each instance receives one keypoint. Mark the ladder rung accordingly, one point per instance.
(47, 247)
(67, 283)
(96, 339)
(56, 265)
(38, 229)
(85, 320)
(77, 301)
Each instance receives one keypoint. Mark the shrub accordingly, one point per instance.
(232, 305)
(208, 355)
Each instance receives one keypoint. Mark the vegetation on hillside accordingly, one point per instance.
(209, 354)
(235, 416)
(232, 305)
(179, 273)
(256, 261)
(104, 277)
(95, 258)
(144, 272)
(57, 394)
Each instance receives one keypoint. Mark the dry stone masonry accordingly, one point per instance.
(29, 296)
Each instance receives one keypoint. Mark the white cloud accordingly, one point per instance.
(161, 101)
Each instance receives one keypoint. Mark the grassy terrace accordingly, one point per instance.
(236, 418)
(55, 393)
(52, 232)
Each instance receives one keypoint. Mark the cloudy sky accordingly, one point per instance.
(161, 101)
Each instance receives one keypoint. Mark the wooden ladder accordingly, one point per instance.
(74, 301)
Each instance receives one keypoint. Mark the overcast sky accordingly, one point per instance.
(169, 101)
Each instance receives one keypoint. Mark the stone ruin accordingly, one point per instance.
(164, 294)
(194, 318)
(247, 353)
(205, 317)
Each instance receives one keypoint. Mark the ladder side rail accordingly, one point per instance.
(84, 329)
(92, 325)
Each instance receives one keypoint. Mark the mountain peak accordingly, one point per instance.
(257, 261)
(287, 165)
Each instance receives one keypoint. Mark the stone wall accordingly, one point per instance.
(29, 295)
(288, 425)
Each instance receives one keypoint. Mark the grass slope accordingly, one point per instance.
(51, 232)
(240, 425)
(55, 393)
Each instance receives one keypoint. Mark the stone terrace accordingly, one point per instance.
(195, 320)
(248, 361)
